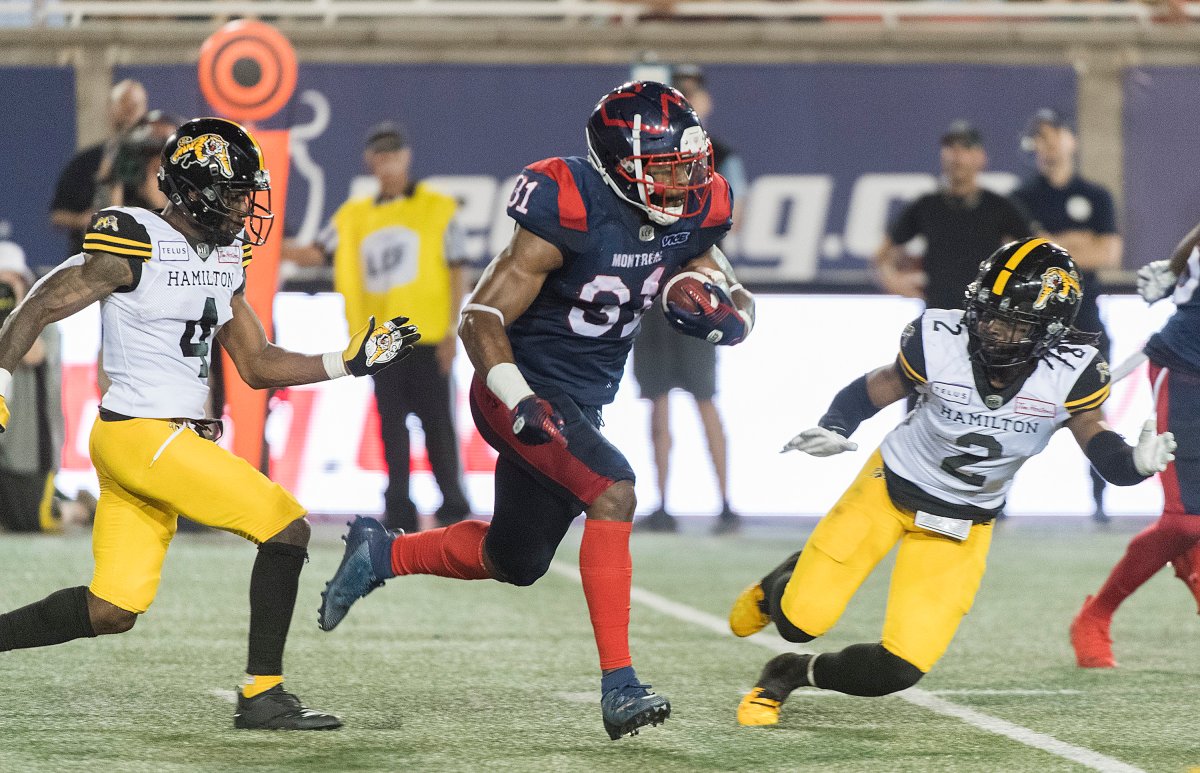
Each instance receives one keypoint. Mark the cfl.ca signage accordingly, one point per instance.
(791, 228)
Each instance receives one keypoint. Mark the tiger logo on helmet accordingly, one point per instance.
(1058, 283)
(202, 150)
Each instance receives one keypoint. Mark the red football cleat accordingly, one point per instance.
(1090, 639)
(1186, 565)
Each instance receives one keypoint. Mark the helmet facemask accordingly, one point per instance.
(1005, 337)
(223, 209)
(671, 186)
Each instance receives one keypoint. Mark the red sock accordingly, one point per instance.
(607, 572)
(454, 551)
(1148, 552)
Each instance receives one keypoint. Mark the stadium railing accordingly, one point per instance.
(888, 12)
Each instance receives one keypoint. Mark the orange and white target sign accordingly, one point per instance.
(247, 70)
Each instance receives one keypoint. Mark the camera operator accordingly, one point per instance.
(129, 178)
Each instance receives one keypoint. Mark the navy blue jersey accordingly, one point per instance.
(577, 333)
(1080, 205)
(1177, 345)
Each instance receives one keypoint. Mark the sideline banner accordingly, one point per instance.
(325, 447)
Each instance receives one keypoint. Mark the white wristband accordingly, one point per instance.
(335, 366)
(5, 383)
(507, 383)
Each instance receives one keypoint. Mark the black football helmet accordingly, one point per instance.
(213, 171)
(645, 124)
(1021, 305)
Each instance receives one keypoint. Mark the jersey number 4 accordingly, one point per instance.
(199, 346)
(951, 464)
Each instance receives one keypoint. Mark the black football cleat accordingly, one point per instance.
(630, 707)
(278, 709)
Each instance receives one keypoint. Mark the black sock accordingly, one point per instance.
(774, 583)
(784, 673)
(273, 585)
(60, 617)
(868, 670)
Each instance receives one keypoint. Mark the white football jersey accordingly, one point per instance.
(158, 332)
(965, 440)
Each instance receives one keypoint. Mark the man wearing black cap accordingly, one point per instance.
(1077, 214)
(961, 222)
(402, 249)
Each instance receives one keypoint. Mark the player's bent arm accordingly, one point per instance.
(1179, 257)
(60, 294)
(715, 258)
(855, 403)
(508, 286)
(1118, 462)
(260, 363)
(263, 365)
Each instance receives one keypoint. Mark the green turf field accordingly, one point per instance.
(439, 675)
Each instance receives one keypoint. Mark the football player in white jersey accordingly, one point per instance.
(167, 282)
(993, 384)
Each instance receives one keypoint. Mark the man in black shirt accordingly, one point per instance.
(961, 222)
(1077, 214)
(75, 193)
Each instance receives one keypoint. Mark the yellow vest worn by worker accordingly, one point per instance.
(391, 260)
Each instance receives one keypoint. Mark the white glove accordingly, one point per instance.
(1153, 452)
(1156, 280)
(819, 441)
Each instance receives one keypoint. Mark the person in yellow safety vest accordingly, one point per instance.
(402, 249)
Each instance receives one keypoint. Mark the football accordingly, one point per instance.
(686, 290)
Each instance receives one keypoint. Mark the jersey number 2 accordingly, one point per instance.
(951, 464)
(199, 347)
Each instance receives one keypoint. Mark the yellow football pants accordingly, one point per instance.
(933, 584)
(153, 470)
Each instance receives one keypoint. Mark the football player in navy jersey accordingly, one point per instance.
(1174, 354)
(549, 329)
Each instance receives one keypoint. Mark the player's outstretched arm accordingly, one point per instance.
(70, 288)
(734, 312)
(1118, 462)
(263, 365)
(858, 401)
(508, 286)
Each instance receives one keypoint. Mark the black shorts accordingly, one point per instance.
(664, 360)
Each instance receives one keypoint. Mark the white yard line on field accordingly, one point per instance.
(914, 695)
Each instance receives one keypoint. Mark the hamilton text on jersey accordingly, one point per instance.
(994, 422)
(199, 278)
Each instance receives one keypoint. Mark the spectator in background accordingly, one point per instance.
(402, 250)
(132, 179)
(1077, 214)
(31, 446)
(77, 188)
(961, 222)
(663, 361)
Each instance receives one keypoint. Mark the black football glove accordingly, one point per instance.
(374, 348)
(721, 324)
(535, 422)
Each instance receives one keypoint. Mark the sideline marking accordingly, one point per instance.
(914, 695)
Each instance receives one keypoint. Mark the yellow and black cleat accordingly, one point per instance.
(757, 709)
(747, 616)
